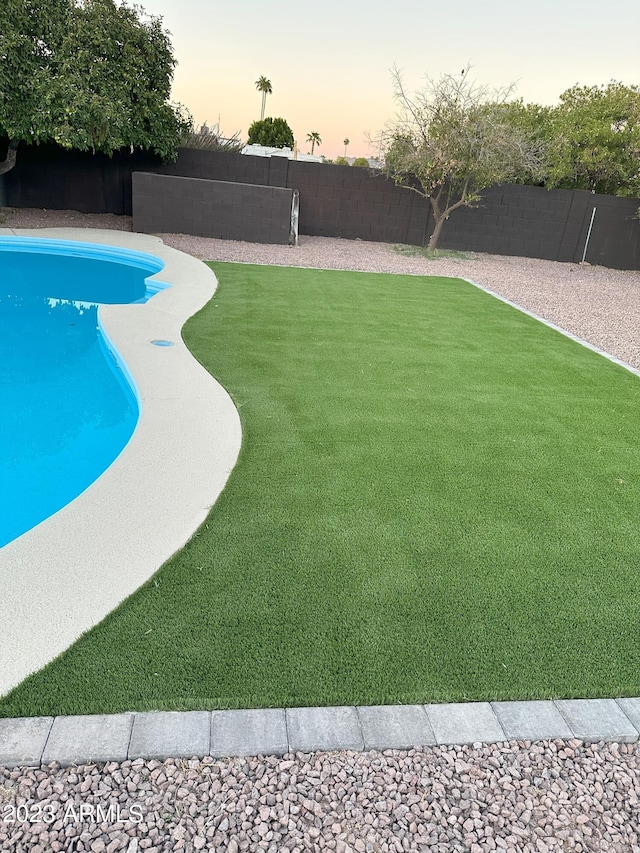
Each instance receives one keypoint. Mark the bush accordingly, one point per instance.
(361, 161)
(342, 161)
(272, 133)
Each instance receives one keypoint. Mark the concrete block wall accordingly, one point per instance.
(576, 225)
(337, 201)
(615, 238)
(341, 201)
(219, 166)
(550, 224)
(511, 220)
(51, 177)
(206, 208)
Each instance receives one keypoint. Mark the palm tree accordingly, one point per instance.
(346, 142)
(263, 85)
(314, 139)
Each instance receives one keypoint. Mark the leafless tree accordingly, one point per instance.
(451, 140)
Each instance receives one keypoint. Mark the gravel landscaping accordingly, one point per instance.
(533, 797)
(537, 797)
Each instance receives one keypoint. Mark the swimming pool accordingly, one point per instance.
(67, 573)
(67, 404)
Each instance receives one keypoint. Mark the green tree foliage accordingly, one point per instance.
(450, 141)
(342, 161)
(362, 162)
(533, 121)
(271, 132)
(89, 75)
(595, 140)
(263, 85)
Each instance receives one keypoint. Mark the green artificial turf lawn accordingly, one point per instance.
(436, 499)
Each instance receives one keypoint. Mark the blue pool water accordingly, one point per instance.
(66, 407)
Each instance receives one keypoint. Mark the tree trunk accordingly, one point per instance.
(433, 240)
(440, 215)
(10, 161)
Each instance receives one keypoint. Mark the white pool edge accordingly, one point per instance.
(64, 576)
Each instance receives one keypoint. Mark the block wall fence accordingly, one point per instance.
(229, 210)
(340, 201)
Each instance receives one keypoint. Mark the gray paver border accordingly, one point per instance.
(27, 741)
(250, 732)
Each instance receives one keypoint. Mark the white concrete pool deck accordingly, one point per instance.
(67, 573)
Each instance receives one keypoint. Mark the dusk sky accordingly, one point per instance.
(329, 63)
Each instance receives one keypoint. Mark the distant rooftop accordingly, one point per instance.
(265, 151)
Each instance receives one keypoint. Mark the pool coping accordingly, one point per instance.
(152, 498)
